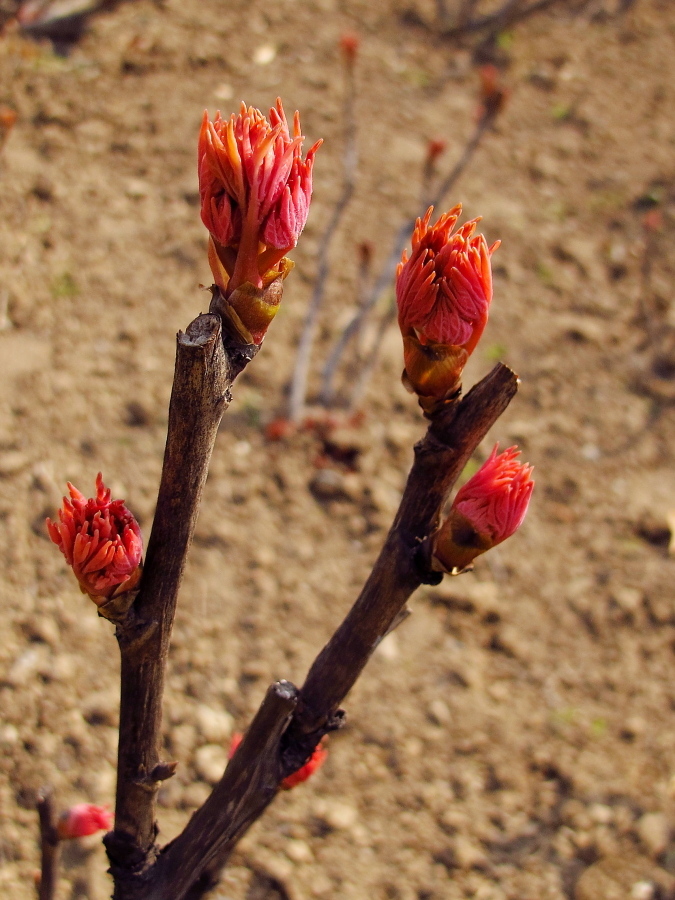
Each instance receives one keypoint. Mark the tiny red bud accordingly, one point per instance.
(435, 148)
(493, 94)
(653, 220)
(235, 740)
(279, 429)
(316, 760)
(83, 819)
(349, 44)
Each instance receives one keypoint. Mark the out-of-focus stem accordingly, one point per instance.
(298, 391)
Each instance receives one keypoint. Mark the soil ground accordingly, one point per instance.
(515, 738)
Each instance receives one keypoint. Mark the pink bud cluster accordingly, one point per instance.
(83, 819)
(444, 289)
(100, 540)
(487, 510)
(496, 498)
(255, 191)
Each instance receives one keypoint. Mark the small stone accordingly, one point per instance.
(137, 189)
(439, 712)
(600, 813)
(224, 92)
(654, 832)
(195, 794)
(210, 762)
(328, 484)
(183, 739)
(101, 708)
(388, 648)
(264, 55)
(12, 462)
(9, 736)
(467, 854)
(614, 877)
(336, 814)
(41, 628)
(298, 851)
(215, 725)
(27, 664)
(628, 598)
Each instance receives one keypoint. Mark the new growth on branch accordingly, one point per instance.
(255, 189)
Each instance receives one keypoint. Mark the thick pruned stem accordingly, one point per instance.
(199, 397)
(452, 437)
(49, 845)
(189, 865)
(271, 750)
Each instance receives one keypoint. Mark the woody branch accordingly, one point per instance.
(289, 724)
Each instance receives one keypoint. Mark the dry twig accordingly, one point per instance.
(50, 850)
(298, 388)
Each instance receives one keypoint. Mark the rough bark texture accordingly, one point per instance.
(49, 845)
(250, 783)
(195, 858)
(451, 438)
(288, 725)
(200, 394)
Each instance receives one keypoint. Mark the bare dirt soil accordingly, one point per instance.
(515, 738)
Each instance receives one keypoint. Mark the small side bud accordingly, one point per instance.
(316, 760)
(493, 94)
(487, 510)
(349, 44)
(101, 541)
(435, 148)
(83, 819)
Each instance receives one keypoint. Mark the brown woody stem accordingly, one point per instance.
(192, 862)
(49, 845)
(452, 437)
(199, 397)
(273, 748)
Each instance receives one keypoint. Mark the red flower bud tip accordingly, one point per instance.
(316, 760)
(349, 44)
(7, 121)
(653, 221)
(487, 510)
(493, 94)
(443, 293)
(279, 429)
(255, 191)
(444, 290)
(235, 740)
(83, 819)
(435, 148)
(100, 540)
